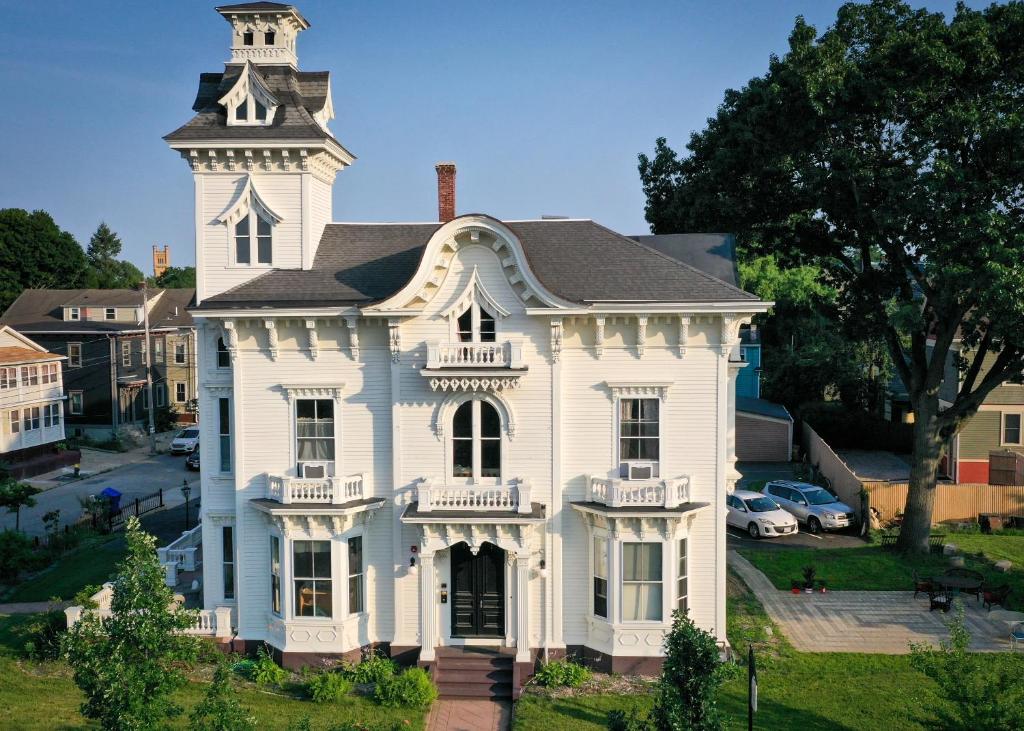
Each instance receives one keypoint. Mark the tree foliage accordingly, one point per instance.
(981, 691)
(35, 253)
(16, 495)
(888, 151)
(106, 271)
(220, 709)
(176, 278)
(128, 664)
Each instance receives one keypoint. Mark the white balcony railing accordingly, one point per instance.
(616, 493)
(333, 490)
(511, 497)
(216, 622)
(508, 354)
(183, 554)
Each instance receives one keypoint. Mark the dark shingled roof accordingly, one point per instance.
(711, 253)
(578, 260)
(301, 94)
(41, 310)
(760, 407)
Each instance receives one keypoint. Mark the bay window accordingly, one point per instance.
(682, 575)
(641, 582)
(355, 575)
(275, 574)
(600, 577)
(311, 568)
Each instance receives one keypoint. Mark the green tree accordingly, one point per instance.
(176, 278)
(106, 271)
(16, 495)
(981, 691)
(35, 253)
(130, 663)
(887, 151)
(220, 710)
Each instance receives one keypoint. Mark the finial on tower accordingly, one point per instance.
(264, 33)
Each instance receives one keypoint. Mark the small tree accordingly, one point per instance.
(690, 679)
(980, 691)
(220, 710)
(129, 664)
(17, 495)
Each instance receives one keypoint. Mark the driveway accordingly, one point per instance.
(875, 465)
(737, 538)
(134, 480)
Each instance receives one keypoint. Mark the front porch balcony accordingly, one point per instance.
(617, 493)
(321, 490)
(511, 497)
(508, 354)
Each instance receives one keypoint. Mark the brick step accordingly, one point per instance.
(473, 677)
(465, 663)
(474, 690)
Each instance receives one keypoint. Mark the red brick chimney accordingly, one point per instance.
(445, 191)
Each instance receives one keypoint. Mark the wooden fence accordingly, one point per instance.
(953, 502)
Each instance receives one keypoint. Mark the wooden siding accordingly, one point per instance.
(980, 435)
(960, 502)
(761, 440)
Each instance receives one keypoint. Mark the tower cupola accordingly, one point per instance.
(264, 33)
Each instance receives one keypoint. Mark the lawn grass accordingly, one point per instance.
(870, 568)
(43, 696)
(91, 563)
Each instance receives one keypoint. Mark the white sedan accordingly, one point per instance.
(758, 515)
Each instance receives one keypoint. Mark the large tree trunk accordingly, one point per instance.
(924, 470)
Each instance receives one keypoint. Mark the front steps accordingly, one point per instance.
(470, 672)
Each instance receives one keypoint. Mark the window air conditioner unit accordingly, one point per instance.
(640, 470)
(314, 469)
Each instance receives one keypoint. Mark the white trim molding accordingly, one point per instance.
(639, 389)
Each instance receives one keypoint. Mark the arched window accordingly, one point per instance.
(476, 325)
(476, 442)
(245, 241)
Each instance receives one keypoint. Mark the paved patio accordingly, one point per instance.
(865, 621)
(469, 715)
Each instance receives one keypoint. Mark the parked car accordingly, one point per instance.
(192, 460)
(812, 505)
(185, 441)
(759, 515)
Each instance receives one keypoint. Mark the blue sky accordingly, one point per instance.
(543, 105)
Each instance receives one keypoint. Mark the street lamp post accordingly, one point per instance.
(186, 491)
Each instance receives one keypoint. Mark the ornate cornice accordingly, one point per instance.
(639, 389)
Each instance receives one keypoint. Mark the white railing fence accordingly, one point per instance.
(512, 497)
(618, 493)
(334, 490)
(217, 622)
(508, 354)
(182, 554)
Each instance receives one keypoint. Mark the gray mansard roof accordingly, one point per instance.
(578, 260)
(301, 94)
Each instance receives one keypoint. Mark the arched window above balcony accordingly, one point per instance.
(475, 436)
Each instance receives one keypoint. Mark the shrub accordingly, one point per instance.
(632, 720)
(264, 670)
(562, 673)
(42, 634)
(373, 669)
(411, 689)
(16, 555)
(328, 687)
(220, 710)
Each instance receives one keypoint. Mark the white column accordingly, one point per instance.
(523, 607)
(510, 560)
(428, 610)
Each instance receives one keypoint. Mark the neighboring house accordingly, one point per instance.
(31, 408)
(764, 430)
(514, 435)
(101, 333)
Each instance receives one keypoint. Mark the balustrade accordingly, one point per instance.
(617, 493)
(334, 490)
(512, 497)
(508, 354)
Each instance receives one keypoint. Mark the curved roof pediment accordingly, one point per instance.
(248, 198)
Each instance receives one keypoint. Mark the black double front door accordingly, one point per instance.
(478, 591)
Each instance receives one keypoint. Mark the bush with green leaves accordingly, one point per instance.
(42, 634)
(328, 687)
(220, 710)
(562, 674)
(632, 720)
(412, 689)
(374, 668)
(264, 671)
(16, 555)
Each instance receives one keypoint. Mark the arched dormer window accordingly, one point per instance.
(249, 101)
(254, 235)
(475, 325)
(476, 442)
(474, 314)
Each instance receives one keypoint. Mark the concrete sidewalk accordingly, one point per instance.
(99, 461)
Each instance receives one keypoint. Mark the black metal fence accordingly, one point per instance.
(139, 506)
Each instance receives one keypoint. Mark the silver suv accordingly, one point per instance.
(815, 506)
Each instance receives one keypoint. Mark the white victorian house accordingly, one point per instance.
(425, 436)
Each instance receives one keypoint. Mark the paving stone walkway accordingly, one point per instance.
(469, 715)
(865, 621)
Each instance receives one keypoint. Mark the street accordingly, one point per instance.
(134, 480)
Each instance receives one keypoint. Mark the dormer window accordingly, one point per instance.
(109, 313)
(249, 102)
(247, 38)
(476, 325)
(242, 112)
(74, 313)
(254, 234)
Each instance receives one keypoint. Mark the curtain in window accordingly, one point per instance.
(641, 582)
(314, 429)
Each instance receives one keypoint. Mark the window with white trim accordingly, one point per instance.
(126, 353)
(75, 402)
(600, 548)
(476, 442)
(29, 375)
(475, 325)
(275, 574)
(51, 415)
(74, 313)
(31, 420)
(110, 313)
(639, 437)
(641, 582)
(180, 353)
(311, 569)
(74, 355)
(158, 350)
(223, 356)
(314, 435)
(179, 393)
(254, 235)
(15, 419)
(356, 578)
(228, 560)
(1012, 428)
(682, 577)
(224, 415)
(50, 372)
(8, 378)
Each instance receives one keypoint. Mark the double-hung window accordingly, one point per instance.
(180, 354)
(51, 415)
(1012, 428)
(110, 313)
(476, 441)
(639, 437)
(275, 574)
(682, 574)
(179, 392)
(15, 421)
(254, 235)
(8, 378)
(29, 375)
(641, 582)
(74, 355)
(75, 401)
(225, 433)
(50, 371)
(601, 577)
(32, 418)
(126, 353)
(356, 600)
(158, 350)
(228, 560)
(161, 394)
(311, 567)
(74, 313)
(223, 356)
(314, 435)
